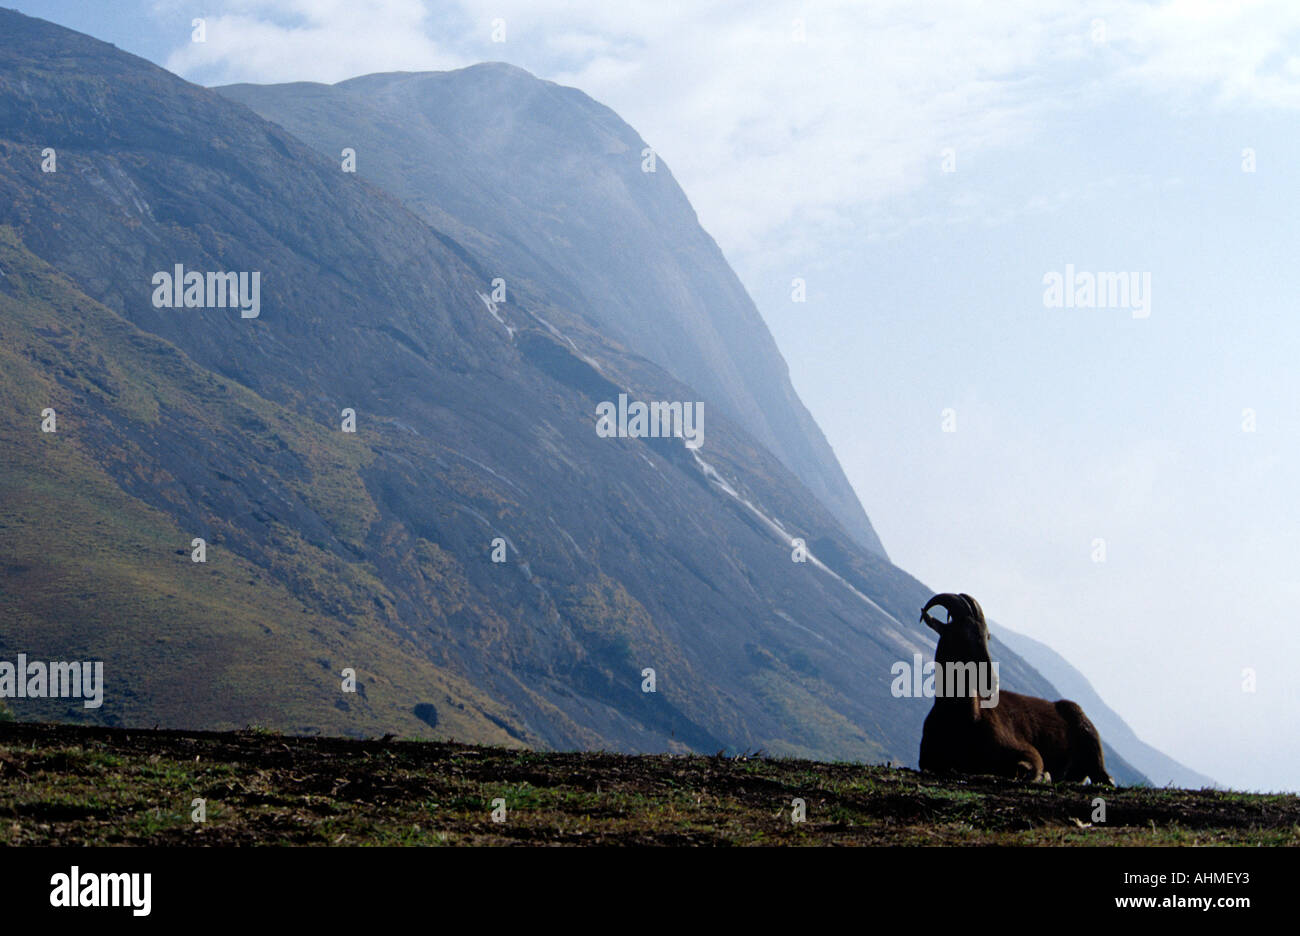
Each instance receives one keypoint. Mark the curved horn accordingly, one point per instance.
(975, 607)
(953, 604)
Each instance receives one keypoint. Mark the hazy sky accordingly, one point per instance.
(811, 139)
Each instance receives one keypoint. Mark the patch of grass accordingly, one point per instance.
(69, 784)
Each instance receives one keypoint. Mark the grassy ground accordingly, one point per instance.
(62, 784)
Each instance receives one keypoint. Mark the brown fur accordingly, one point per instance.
(1021, 736)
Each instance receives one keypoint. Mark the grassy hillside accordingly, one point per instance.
(63, 784)
(94, 573)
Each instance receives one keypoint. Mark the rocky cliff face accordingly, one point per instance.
(375, 550)
(551, 188)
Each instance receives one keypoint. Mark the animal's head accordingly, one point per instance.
(964, 637)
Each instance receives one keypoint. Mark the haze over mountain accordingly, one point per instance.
(568, 165)
(475, 422)
(552, 187)
(1160, 768)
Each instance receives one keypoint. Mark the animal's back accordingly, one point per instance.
(1087, 760)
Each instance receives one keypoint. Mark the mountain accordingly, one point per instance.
(548, 184)
(373, 551)
(549, 187)
(1160, 768)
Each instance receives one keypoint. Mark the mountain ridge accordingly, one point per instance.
(439, 144)
(1160, 768)
(474, 423)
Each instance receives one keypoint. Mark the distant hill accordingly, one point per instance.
(1161, 769)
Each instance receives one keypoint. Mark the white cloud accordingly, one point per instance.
(767, 133)
(1238, 52)
(312, 40)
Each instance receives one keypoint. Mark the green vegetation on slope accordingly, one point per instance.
(94, 573)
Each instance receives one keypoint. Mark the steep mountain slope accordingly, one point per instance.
(219, 644)
(547, 183)
(1160, 768)
(373, 550)
(549, 186)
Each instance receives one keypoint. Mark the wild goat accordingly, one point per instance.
(1017, 735)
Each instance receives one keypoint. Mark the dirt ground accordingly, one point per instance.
(71, 785)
